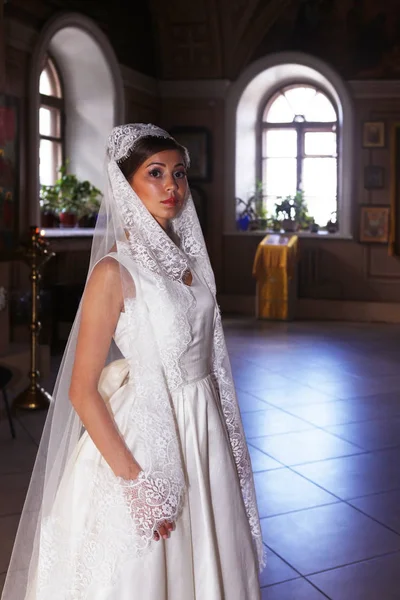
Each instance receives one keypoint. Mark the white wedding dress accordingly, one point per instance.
(210, 555)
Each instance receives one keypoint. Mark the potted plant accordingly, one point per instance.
(251, 213)
(70, 198)
(245, 213)
(262, 215)
(292, 212)
(285, 214)
(90, 208)
(314, 227)
(49, 206)
(332, 225)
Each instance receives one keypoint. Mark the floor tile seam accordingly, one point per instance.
(373, 518)
(339, 437)
(329, 400)
(250, 362)
(28, 432)
(297, 579)
(268, 585)
(338, 500)
(252, 393)
(345, 500)
(396, 489)
(318, 485)
(354, 562)
(268, 455)
(318, 589)
(286, 409)
(283, 560)
(325, 429)
(363, 453)
(250, 442)
(313, 425)
(327, 381)
(299, 510)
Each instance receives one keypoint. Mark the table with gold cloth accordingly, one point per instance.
(275, 268)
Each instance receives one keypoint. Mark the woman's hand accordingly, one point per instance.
(152, 505)
(164, 531)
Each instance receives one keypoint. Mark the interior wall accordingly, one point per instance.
(342, 270)
(205, 112)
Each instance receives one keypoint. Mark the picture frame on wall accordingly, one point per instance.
(198, 142)
(9, 169)
(374, 177)
(374, 134)
(374, 224)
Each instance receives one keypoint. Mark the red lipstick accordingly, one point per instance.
(171, 202)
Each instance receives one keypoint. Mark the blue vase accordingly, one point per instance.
(243, 223)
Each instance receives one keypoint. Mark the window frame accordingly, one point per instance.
(56, 102)
(301, 128)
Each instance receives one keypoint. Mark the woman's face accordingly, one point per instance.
(161, 184)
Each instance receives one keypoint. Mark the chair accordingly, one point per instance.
(5, 378)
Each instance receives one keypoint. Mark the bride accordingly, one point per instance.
(142, 486)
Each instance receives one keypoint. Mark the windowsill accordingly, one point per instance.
(67, 232)
(75, 232)
(321, 235)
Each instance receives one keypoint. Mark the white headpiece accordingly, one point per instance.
(123, 139)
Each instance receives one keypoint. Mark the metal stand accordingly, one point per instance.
(36, 255)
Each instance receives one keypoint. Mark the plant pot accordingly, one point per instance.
(49, 220)
(88, 221)
(288, 225)
(68, 219)
(254, 225)
(331, 227)
(314, 228)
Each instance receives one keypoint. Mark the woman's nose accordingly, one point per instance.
(171, 183)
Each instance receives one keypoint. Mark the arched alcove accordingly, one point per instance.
(94, 97)
(245, 98)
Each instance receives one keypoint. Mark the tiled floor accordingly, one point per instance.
(321, 411)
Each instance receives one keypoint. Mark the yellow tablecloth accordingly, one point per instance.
(274, 268)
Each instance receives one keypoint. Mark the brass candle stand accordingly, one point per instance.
(35, 254)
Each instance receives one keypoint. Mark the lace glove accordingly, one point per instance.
(151, 500)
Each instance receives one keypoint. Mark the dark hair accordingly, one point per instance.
(146, 147)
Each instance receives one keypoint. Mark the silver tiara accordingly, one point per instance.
(123, 138)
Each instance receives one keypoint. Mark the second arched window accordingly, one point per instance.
(298, 150)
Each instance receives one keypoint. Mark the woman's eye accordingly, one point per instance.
(155, 173)
(180, 174)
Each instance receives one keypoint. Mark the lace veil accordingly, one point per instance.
(127, 233)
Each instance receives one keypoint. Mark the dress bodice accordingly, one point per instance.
(196, 361)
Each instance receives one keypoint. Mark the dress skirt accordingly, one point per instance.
(210, 554)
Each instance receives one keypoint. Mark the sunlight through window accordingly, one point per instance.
(50, 124)
(299, 150)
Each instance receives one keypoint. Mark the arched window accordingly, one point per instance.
(298, 149)
(51, 124)
(298, 96)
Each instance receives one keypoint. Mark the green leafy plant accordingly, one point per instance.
(49, 199)
(293, 209)
(70, 195)
(254, 208)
